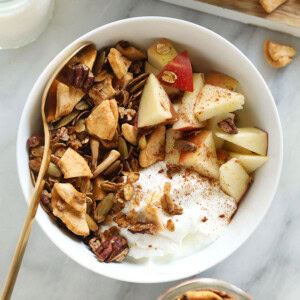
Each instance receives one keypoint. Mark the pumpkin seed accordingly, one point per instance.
(82, 105)
(66, 120)
(54, 170)
(138, 86)
(122, 148)
(136, 80)
(99, 62)
(112, 168)
(80, 126)
(104, 207)
(91, 223)
(82, 115)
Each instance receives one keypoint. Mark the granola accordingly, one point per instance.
(114, 155)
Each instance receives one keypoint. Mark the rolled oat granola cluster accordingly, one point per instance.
(95, 146)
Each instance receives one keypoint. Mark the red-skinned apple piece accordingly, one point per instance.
(178, 73)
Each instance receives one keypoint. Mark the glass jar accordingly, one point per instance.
(22, 21)
(205, 284)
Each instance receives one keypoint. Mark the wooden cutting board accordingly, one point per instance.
(285, 19)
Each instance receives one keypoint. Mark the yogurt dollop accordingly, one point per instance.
(206, 212)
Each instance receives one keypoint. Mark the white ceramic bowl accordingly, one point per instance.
(208, 51)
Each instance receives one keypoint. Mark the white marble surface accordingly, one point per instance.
(267, 265)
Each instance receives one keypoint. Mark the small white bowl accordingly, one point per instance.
(205, 284)
(208, 51)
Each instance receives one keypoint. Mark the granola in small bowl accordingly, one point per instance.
(205, 289)
(131, 173)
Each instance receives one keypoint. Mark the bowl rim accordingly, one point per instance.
(85, 37)
(205, 283)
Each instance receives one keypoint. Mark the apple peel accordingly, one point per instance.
(180, 73)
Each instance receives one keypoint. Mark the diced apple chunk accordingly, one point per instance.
(235, 148)
(169, 90)
(234, 180)
(253, 139)
(221, 80)
(186, 117)
(212, 125)
(161, 53)
(213, 100)
(204, 159)
(178, 73)
(155, 107)
(250, 162)
(172, 154)
(155, 148)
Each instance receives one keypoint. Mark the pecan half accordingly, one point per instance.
(79, 76)
(184, 145)
(95, 245)
(228, 126)
(114, 249)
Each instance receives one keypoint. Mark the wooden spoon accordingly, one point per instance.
(85, 53)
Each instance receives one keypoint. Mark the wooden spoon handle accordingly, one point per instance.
(22, 242)
(23, 239)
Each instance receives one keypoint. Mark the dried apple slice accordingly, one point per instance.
(271, 5)
(130, 52)
(74, 220)
(70, 195)
(66, 99)
(73, 165)
(277, 55)
(178, 73)
(118, 62)
(103, 120)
